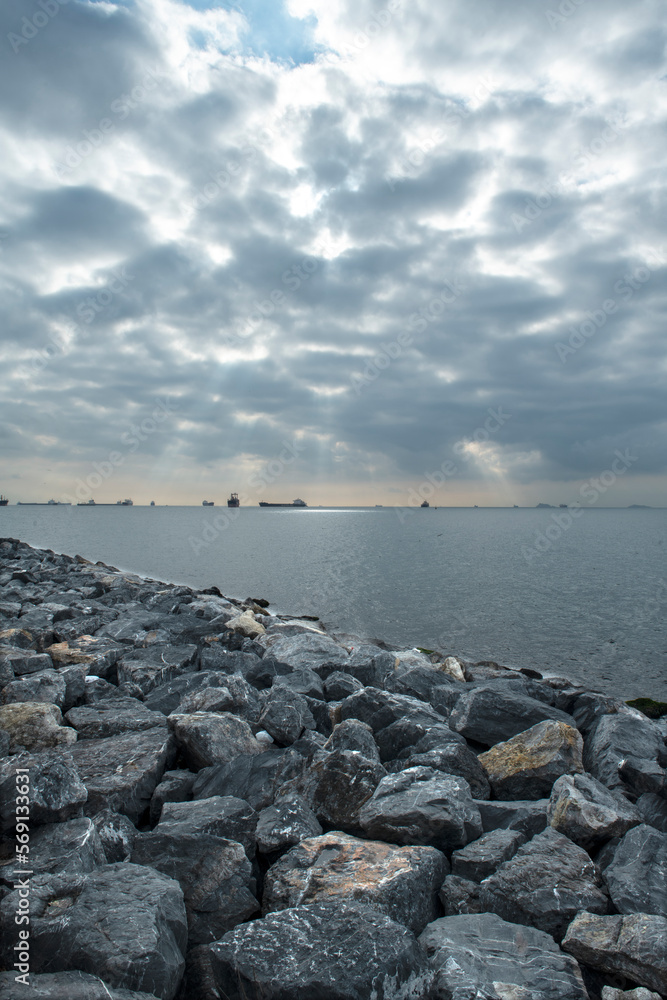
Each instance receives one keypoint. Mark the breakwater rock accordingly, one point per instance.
(224, 803)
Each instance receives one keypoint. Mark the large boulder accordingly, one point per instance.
(380, 709)
(46, 686)
(175, 786)
(526, 766)
(344, 782)
(337, 951)
(58, 848)
(490, 714)
(97, 653)
(587, 812)
(220, 816)
(453, 758)
(545, 884)
(527, 816)
(310, 649)
(632, 946)
(117, 835)
(653, 810)
(110, 718)
(65, 986)
(354, 735)
(123, 922)
(257, 778)
(285, 824)
(152, 666)
(55, 787)
(619, 736)
(485, 956)
(422, 806)
(121, 772)
(637, 875)
(286, 715)
(208, 738)
(481, 858)
(17, 662)
(215, 876)
(236, 696)
(401, 882)
(35, 726)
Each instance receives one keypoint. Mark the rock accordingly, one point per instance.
(207, 738)
(286, 715)
(483, 857)
(454, 759)
(653, 810)
(150, 667)
(214, 874)
(609, 993)
(616, 737)
(643, 776)
(485, 956)
(113, 718)
(547, 881)
(55, 788)
(246, 624)
(354, 735)
(285, 824)
(460, 895)
(98, 653)
(345, 781)
(236, 696)
(122, 922)
(24, 661)
(45, 686)
(529, 817)
(380, 709)
(333, 950)
(35, 726)
(117, 834)
(74, 677)
(452, 666)
(632, 946)
(587, 707)
(424, 681)
(526, 766)
(588, 813)
(57, 848)
(401, 882)
(302, 681)
(66, 986)
(401, 737)
(220, 816)
(422, 806)
(637, 875)
(175, 786)
(339, 685)
(312, 650)
(255, 778)
(121, 772)
(167, 697)
(489, 714)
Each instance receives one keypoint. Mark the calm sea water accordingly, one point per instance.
(471, 582)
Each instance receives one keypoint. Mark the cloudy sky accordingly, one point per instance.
(333, 249)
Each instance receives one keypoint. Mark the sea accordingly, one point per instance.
(581, 595)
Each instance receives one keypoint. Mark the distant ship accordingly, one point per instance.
(208, 503)
(424, 503)
(294, 503)
(124, 503)
(38, 503)
(87, 503)
(233, 500)
(152, 503)
(3, 501)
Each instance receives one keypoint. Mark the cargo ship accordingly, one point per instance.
(294, 503)
(233, 500)
(208, 503)
(3, 501)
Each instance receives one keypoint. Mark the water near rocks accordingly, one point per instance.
(476, 583)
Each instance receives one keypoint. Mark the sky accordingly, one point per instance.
(356, 252)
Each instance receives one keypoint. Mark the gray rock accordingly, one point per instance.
(340, 685)
(423, 680)
(354, 735)
(485, 956)
(302, 681)
(401, 737)
(401, 882)
(176, 786)
(338, 951)
(116, 833)
(483, 857)
(285, 824)
(587, 812)
(122, 922)
(616, 737)
(97, 653)
(609, 993)
(286, 715)
(455, 759)
(44, 686)
(637, 875)
(57, 848)
(65, 986)
(643, 776)
(214, 874)
(653, 810)
(74, 677)
(206, 738)
(632, 946)
(588, 707)
(35, 726)
(422, 806)
(236, 696)
(220, 816)
(310, 650)
(150, 667)
(489, 714)
(526, 816)
(547, 881)
(113, 718)
(167, 697)
(55, 788)
(256, 778)
(345, 781)
(121, 772)
(460, 895)
(24, 661)
(380, 709)
(526, 766)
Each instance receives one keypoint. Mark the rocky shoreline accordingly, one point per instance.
(223, 803)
